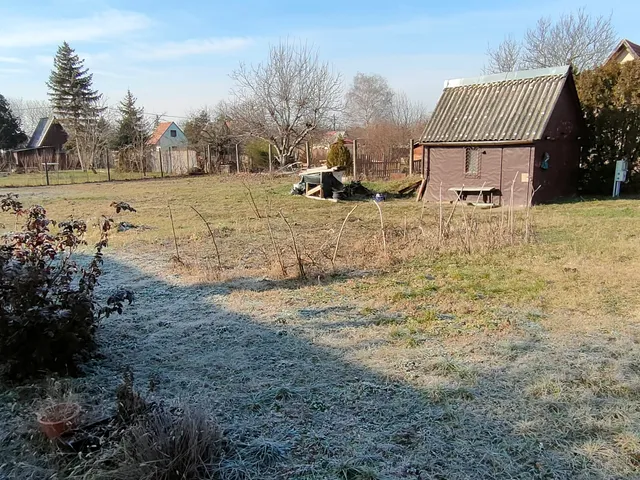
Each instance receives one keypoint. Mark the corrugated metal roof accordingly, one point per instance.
(513, 106)
(40, 132)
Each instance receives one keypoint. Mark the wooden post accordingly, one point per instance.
(160, 159)
(270, 160)
(308, 152)
(411, 157)
(170, 159)
(208, 158)
(46, 170)
(237, 159)
(108, 168)
(355, 159)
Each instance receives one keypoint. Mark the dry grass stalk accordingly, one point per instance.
(527, 221)
(440, 226)
(335, 251)
(384, 238)
(283, 269)
(301, 273)
(511, 219)
(213, 238)
(175, 238)
(453, 210)
(253, 203)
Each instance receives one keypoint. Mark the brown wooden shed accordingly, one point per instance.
(489, 133)
(46, 145)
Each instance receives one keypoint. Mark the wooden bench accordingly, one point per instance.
(477, 193)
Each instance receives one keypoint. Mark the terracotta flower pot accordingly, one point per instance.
(58, 419)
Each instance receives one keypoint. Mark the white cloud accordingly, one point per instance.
(22, 32)
(11, 60)
(192, 47)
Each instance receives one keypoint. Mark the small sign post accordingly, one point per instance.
(620, 176)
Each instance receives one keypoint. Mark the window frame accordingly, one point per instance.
(173, 133)
(478, 157)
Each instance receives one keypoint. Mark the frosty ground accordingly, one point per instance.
(519, 361)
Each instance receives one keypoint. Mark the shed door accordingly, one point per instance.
(516, 166)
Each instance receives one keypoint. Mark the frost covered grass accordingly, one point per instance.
(511, 361)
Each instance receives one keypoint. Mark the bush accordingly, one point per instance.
(339, 155)
(48, 313)
(164, 446)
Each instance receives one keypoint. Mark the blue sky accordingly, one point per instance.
(176, 56)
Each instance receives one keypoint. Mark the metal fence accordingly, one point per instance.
(39, 167)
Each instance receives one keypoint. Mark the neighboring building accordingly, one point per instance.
(170, 144)
(626, 51)
(168, 134)
(46, 145)
(488, 131)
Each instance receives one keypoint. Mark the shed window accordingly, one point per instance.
(174, 133)
(472, 162)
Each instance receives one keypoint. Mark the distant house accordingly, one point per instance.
(516, 130)
(166, 135)
(170, 153)
(626, 51)
(46, 146)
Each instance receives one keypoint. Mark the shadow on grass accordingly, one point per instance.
(505, 418)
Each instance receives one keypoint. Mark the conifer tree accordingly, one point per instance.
(133, 128)
(339, 155)
(11, 134)
(75, 103)
(132, 133)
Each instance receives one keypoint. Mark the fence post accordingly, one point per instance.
(108, 168)
(308, 153)
(270, 160)
(46, 170)
(355, 159)
(160, 160)
(237, 159)
(411, 157)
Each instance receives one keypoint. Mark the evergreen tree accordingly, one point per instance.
(133, 129)
(11, 134)
(74, 101)
(339, 155)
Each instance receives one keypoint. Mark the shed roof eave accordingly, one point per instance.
(502, 143)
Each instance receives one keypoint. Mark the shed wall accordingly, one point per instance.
(498, 168)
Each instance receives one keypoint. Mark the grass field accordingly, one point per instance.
(472, 354)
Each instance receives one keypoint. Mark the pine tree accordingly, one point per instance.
(74, 101)
(133, 128)
(132, 134)
(11, 134)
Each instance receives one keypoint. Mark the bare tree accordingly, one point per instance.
(578, 39)
(284, 99)
(30, 112)
(408, 116)
(369, 100)
(504, 58)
